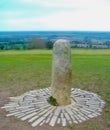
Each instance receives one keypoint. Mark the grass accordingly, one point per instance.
(52, 101)
(21, 71)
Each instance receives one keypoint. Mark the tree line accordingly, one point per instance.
(32, 43)
(40, 43)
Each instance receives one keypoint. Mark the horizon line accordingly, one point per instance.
(55, 31)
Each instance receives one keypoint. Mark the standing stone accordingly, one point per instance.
(61, 72)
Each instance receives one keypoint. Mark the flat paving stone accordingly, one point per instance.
(63, 122)
(49, 118)
(38, 121)
(53, 120)
(28, 116)
(34, 107)
(58, 121)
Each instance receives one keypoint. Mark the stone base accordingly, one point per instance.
(33, 106)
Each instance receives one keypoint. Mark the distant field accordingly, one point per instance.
(21, 71)
(74, 51)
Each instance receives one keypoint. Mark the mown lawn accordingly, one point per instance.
(21, 71)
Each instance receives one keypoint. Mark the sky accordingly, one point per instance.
(72, 15)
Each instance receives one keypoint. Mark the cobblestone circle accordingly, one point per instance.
(33, 107)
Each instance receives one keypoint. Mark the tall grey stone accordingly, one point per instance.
(61, 72)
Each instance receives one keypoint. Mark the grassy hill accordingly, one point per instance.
(21, 71)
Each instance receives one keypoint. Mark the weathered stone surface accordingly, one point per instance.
(61, 72)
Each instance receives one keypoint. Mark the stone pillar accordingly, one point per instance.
(61, 72)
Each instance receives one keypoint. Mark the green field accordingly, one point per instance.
(21, 71)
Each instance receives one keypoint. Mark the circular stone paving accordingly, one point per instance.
(33, 106)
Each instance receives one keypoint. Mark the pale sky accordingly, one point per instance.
(84, 15)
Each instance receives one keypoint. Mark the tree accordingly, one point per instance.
(36, 43)
(1, 46)
(49, 44)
